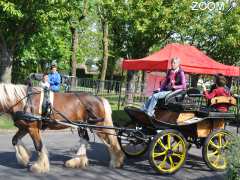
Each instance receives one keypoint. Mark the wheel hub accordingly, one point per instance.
(169, 152)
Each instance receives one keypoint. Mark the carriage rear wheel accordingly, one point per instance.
(168, 151)
(214, 149)
(131, 145)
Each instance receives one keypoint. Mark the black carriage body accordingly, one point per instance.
(185, 111)
(181, 119)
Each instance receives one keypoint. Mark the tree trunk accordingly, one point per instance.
(139, 82)
(74, 54)
(105, 53)
(74, 47)
(7, 74)
(5, 65)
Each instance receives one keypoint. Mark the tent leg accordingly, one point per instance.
(238, 123)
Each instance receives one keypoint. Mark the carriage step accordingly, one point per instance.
(222, 115)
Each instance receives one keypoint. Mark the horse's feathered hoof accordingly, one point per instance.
(116, 165)
(117, 161)
(23, 155)
(37, 168)
(42, 164)
(77, 162)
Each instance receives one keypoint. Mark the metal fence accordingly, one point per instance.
(122, 92)
(119, 92)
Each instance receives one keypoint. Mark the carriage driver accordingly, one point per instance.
(175, 80)
(44, 82)
(54, 79)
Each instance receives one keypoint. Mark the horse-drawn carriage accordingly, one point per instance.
(181, 119)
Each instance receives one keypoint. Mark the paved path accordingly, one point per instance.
(61, 146)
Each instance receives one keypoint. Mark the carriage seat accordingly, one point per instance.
(175, 96)
(212, 112)
(172, 100)
(182, 100)
(231, 101)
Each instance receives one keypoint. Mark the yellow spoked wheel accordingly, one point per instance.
(168, 151)
(214, 149)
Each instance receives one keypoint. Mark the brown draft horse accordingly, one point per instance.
(75, 106)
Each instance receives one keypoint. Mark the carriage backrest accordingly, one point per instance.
(175, 96)
(231, 101)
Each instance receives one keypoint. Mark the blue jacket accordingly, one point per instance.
(54, 80)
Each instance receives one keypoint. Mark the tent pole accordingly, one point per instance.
(238, 123)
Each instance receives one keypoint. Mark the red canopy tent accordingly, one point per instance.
(192, 61)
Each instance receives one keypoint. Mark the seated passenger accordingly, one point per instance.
(175, 80)
(214, 86)
(220, 90)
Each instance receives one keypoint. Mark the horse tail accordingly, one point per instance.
(108, 111)
(110, 138)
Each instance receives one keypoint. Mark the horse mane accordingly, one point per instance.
(11, 93)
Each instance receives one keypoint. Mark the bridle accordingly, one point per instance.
(19, 101)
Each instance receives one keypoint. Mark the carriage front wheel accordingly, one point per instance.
(168, 151)
(214, 149)
(131, 145)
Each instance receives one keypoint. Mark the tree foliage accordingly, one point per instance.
(34, 33)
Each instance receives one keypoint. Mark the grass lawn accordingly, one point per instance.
(6, 122)
(120, 118)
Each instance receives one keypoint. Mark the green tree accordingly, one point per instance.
(19, 21)
(138, 27)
